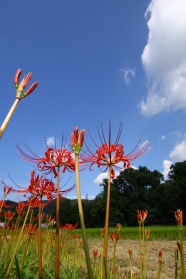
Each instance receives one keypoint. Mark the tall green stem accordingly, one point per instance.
(40, 243)
(17, 245)
(105, 250)
(182, 255)
(81, 216)
(57, 228)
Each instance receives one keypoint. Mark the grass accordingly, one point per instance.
(156, 232)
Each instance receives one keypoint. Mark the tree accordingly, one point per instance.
(177, 176)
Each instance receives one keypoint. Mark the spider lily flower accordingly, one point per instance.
(179, 217)
(20, 207)
(9, 215)
(95, 253)
(111, 154)
(40, 187)
(7, 190)
(147, 233)
(53, 160)
(20, 87)
(68, 227)
(77, 139)
(115, 238)
(141, 215)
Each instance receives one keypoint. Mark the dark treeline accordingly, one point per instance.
(132, 190)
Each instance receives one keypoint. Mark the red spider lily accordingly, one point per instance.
(111, 154)
(68, 227)
(20, 87)
(179, 217)
(141, 215)
(147, 233)
(9, 215)
(75, 235)
(77, 139)
(40, 187)
(30, 229)
(7, 190)
(53, 160)
(20, 207)
(130, 252)
(115, 238)
(95, 253)
(160, 257)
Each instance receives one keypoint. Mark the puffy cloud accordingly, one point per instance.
(179, 152)
(100, 177)
(166, 168)
(164, 57)
(104, 175)
(51, 141)
(128, 74)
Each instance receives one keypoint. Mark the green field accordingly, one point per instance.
(156, 232)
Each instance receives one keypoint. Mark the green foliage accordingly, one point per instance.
(132, 190)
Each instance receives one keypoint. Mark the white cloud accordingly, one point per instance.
(50, 141)
(100, 177)
(104, 175)
(164, 57)
(166, 168)
(178, 154)
(128, 74)
(162, 137)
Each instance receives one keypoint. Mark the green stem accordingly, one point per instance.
(140, 240)
(57, 228)
(40, 243)
(81, 216)
(182, 255)
(105, 249)
(17, 245)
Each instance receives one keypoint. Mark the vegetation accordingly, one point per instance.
(132, 190)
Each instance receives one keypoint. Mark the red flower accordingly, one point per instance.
(130, 252)
(9, 215)
(53, 160)
(115, 238)
(40, 187)
(20, 87)
(95, 253)
(77, 139)
(141, 215)
(179, 217)
(111, 154)
(68, 227)
(20, 207)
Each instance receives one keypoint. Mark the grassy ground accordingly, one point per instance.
(156, 232)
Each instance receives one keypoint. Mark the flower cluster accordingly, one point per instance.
(20, 87)
(179, 217)
(141, 215)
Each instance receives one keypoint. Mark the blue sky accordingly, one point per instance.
(94, 61)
